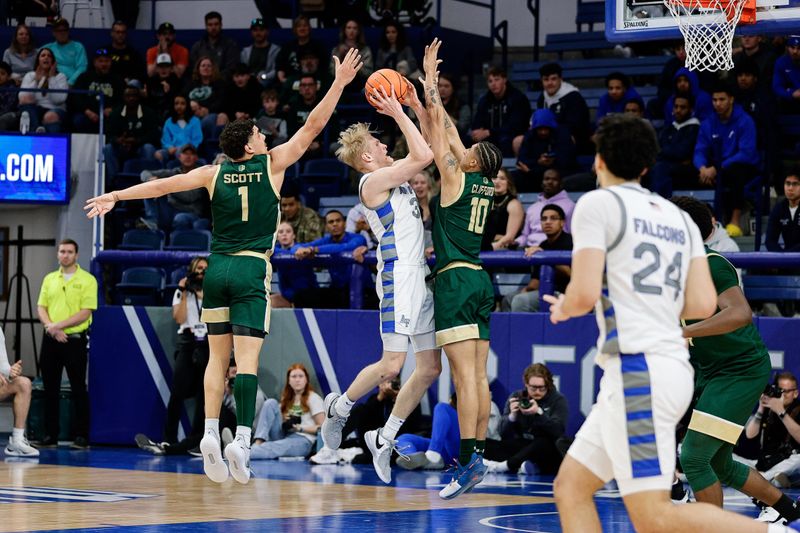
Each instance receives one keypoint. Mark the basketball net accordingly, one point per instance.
(707, 27)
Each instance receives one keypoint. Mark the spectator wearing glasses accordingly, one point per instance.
(784, 219)
(222, 50)
(126, 61)
(178, 54)
(299, 108)
(70, 55)
(261, 56)
(84, 107)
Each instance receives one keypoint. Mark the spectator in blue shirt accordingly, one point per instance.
(786, 78)
(291, 280)
(620, 91)
(686, 83)
(336, 240)
(545, 145)
(181, 128)
(673, 168)
(70, 55)
(726, 151)
(784, 219)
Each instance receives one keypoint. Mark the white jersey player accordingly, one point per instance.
(639, 261)
(406, 309)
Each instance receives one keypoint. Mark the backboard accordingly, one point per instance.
(646, 20)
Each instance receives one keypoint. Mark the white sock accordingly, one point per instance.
(777, 528)
(344, 405)
(18, 434)
(501, 467)
(245, 432)
(432, 456)
(389, 431)
(212, 425)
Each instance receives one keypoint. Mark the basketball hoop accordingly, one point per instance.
(707, 27)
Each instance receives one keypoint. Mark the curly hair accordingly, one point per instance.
(287, 395)
(699, 212)
(353, 143)
(234, 136)
(627, 144)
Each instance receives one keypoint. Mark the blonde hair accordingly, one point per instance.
(353, 143)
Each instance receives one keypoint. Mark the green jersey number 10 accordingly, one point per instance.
(477, 217)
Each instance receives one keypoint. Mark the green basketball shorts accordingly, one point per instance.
(463, 298)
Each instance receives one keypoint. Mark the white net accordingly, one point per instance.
(707, 27)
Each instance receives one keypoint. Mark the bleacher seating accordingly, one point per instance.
(140, 286)
(342, 203)
(650, 66)
(190, 240)
(507, 283)
(771, 288)
(142, 239)
(558, 43)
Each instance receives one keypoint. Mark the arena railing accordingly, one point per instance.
(491, 260)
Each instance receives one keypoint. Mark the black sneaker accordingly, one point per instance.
(47, 442)
(80, 443)
(195, 452)
(678, 494)
(144, 442)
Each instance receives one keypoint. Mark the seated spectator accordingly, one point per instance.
(504, 221)
(336, 240)
(132, 131)
(726, 151)
(270, 119)
(527, 300)
(298, 110)
(566, 103)
(181, 128)
(501, 114)
(686, 83)
(288, 60)
(162, 87)
(221, 49)
(184, 210)
(191, 351)
(70, 55)
(289, 428)
(460, 113)
(534, 420)
(18, 387)
(786, 80)
(351, 35)
(305, 222)
(755, 100)
(9, 101)
(85, 116)
(552, 193)
(620, 91)
(756, 51)
(45, 109)
(779, 435)
(309, 66)
(394, 51)
(357, 223)
(206, 93)
(720, 241)
(298, 277)
(784, 219)
(261, 56)
(438, 451)
(422, 185)
(635, 107)
(21, 53)
(545, 145)
(126, 62)
(666, 80)
(242, 94)
(674, 168)
(167, 45)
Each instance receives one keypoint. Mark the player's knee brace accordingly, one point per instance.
(696, 454)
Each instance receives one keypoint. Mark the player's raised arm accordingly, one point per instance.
(432, 96)
(292, 150)
(194, 179)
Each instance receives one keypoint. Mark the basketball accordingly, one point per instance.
(386, 78)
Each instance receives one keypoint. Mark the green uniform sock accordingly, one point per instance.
(466, 451)
(480, 447)
(244, 392)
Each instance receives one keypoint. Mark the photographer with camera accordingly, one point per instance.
(534, 419)
(776, 423)
(191, 351)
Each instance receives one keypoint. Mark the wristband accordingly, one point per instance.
(782, 414)
(758, 415)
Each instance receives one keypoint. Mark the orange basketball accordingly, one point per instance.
(386, 78)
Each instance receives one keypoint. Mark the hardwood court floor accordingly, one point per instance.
(127, 490)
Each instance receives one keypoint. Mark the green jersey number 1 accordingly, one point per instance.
(477, 217)
(245, 207)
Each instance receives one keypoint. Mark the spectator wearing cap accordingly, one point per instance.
(242, 94)
(8, 99)
(70, 55)
(182, 210)
(21, 53)
(45, 108)
(566, 102)
(100, 78)
(288, 61)
(132, 130)
(300, 106)
(502, 114)
(181, 128)
(167, 45)
(784, 219)
(126, 61)
(261, 57)
(786, 80)
(163, 86)
(220, 48)
(206, 94)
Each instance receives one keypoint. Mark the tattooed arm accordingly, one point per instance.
(447, 163)
(432, 97)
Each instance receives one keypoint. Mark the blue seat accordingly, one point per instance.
(142, 239)
(140, 286)
(590, 13)
(173, 278)
(580, 41)
(771, 288)
(325, 168)
(292, 171)
(505, 283)
(192, 240)
(341, 203)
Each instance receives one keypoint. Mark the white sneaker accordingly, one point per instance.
(20, 448)
(325, 456)
(213, 465)
(226, 436)
(347, 455)
(381, 450)
(496, 467)
(238, 455)
(770, 515)
(334, 423)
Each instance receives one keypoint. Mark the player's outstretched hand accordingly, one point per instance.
(347, 69)
(556, 313)
(412, 98)
(387, 104)
(99, 205)
(430, 61)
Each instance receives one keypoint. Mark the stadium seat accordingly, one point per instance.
(341, 203)
(191, 240)
(509, 283)
(173, 279)
(142, 239)
(771, 288)
(140, 286)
